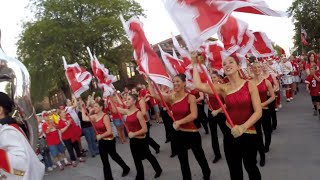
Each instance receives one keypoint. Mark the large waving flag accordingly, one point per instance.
(101, 73)
(197, 20)
(262, 46)
(146, 59)
(215, 56)
(78, 78)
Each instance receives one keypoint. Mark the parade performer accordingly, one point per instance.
(202, 117)
(272, 106)
(144, 108)
(216, 117)
(244, 107)
(18, 161)
(187, 136)
(275, 70)
(264, 87)
(70, 136)
(313, 87)
(139, 145)
(295, 74)
(56, 147)
(286, 69)
(107, 143)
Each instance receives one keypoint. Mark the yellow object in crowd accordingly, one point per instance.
(55, 118)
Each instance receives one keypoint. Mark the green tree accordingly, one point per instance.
(306, 13)
(66, 28)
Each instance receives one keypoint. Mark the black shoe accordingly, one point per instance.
(172, 155)
(262, 161)
(207, 132)
(157, 150)
(216, 159)
(125, 172)
(266, 149)
(158, 174)
(274, 128)
(93, 156)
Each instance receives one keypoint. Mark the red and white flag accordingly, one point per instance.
(101, 73)
(78, 78)
(215, 56)
(173, 65)
(146, 59)
(262, 46)
(197, 20)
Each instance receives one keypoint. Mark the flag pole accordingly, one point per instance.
(217, 96)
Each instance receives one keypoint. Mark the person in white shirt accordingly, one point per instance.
(18, 161)
(286, 69)
(71, 108)
(274, 69)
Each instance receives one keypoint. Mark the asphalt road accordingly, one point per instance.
(294, 152)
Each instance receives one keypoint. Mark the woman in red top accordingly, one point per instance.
(107, 143)
(244, 107)
(264, 88)
(272, 106)
(56, 147)
(215, 117)
(139, 146)
(70, 136)
(144, 108)
(184, 109)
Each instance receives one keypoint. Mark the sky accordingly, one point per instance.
(157, 25)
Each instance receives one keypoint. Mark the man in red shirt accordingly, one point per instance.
(313, 87)
(55, 145)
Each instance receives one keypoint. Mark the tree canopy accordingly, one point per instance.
(306, 14)
(66, 28)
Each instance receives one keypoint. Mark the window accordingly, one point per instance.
(130, 68)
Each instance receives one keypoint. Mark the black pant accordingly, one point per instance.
(220, 120)
(273, 114)
(151, 141)
(71, 146)
(168, 122)
(140, 150)
(185, 141)
(242, 149)
(202, 117)
(265, 124)
(108, 147)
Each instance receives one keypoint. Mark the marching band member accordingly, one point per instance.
(264, 87)
(107, 143)
(295, 74)
(184, 109)
(139, 145)
(144, 108)
(202, 117)
(286, 69)
(275, 70)
(272, 106)
(18, 161)
(244, 107)
(215, 117)
(313, 87)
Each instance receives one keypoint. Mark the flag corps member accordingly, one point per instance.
(187, 136)
(244, 108)
(18, 161)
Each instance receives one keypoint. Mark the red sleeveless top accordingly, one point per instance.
(133, 123)
(239, 106)
(101, 128)
(269, 78)
(195, 93)
(214, 102)
(263, 90)
(181, 109)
